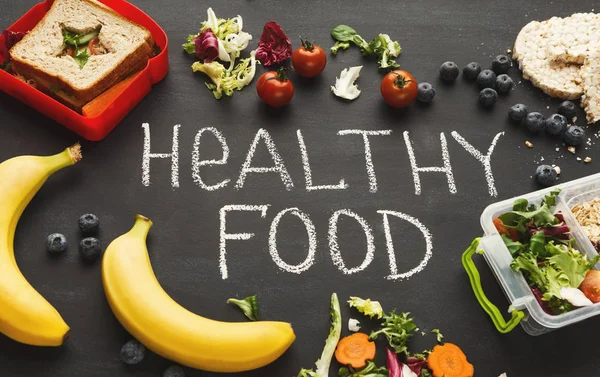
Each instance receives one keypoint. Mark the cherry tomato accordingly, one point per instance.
(591, 285)
(309, 60)
(274, 88)
(511, 233)
(399, 88)
(94, 46)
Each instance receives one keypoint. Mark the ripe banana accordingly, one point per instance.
(150, 315)
(25, 315)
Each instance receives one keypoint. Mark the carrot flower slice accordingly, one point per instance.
(355, 350)
(448, 360)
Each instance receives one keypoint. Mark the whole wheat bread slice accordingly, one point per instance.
(40, 54)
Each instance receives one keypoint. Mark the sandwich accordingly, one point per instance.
(80, 49)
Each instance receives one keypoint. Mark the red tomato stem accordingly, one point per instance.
(400, 81)
(308, 46)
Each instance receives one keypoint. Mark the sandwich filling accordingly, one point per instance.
(80, 46)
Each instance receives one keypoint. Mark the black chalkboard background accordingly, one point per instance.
(184, 242)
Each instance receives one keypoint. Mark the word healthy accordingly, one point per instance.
(278, 166)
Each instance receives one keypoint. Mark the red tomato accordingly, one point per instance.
(591, 285)
(508, 232)
(274, 88)
(309, 60)
(399, 88)
(70, 51)
(94, 46)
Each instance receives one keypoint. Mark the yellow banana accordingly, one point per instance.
(25, 315)
(150, 315)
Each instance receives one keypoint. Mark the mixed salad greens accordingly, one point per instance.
(381, 46)
(355, 353)
(543, 250)
(222, 41)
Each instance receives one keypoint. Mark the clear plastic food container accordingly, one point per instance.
(524, 308)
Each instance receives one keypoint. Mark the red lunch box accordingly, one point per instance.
(98, 127)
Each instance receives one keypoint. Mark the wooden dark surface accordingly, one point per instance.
(184, 242)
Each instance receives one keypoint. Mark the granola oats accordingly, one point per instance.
(588, 216)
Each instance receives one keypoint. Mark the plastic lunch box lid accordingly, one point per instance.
(96, 128)
(499, 258)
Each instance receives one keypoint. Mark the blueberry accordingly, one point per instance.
(518, 112)
(556, 124)
(471, 70)
(501, 64)
(534, 122)
(174, 371)
(574, 135)
(567, 108)
(488, 97)
(449, 71)
(89, 249)
(56, 243)
(426, 92)
(504, 83)
(89, 223)
(486, 79)
(545, 175)
(133, 352)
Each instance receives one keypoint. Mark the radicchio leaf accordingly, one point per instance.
(274, 46)
(10, 38)
(544, 304)
(393, 365)
(416, 364)
(207, 46)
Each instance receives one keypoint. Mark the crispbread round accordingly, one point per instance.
(590, 100)
(557, 79)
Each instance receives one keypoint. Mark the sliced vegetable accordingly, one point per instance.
(398, 329)
(105, 100)
(591, 285)
(371, 370)
(448, 360)
(274, 88)
(575, 297)
(330, 344)
(506, 231)
(353, 325)
(249, 306)
(345, 86)
(399, 88)
(309, 60)
(274, 46)
(381, 46)
(355, 350)
(367, 307)
(76, 40)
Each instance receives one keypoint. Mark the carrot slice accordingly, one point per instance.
(448, 360)
(355, 350)
(99, 104)
(503, 229)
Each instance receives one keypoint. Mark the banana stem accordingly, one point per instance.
(142, 226)
(68, 157)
